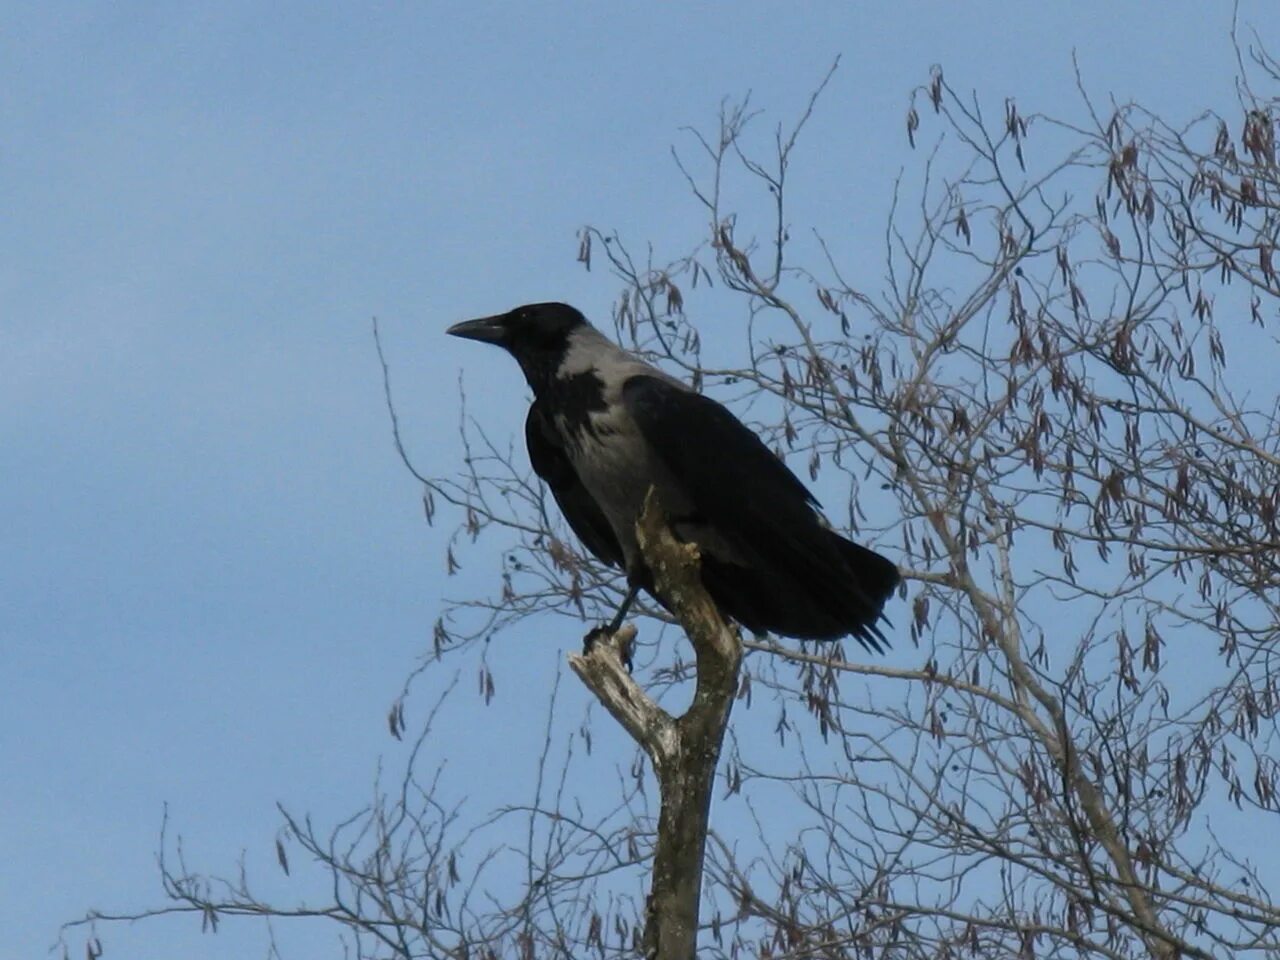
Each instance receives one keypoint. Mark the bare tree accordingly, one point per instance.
(1050, 397)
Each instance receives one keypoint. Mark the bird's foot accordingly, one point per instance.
(594, 636)
(623, 641)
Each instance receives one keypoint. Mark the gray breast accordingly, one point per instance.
(608, 452)
(614, 463)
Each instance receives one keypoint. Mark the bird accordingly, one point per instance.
(605, 426)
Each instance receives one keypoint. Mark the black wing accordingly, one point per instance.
(550, 462)
(783, 570)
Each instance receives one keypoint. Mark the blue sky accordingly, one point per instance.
(214, 573)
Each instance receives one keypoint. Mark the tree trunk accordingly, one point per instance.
(685, 751)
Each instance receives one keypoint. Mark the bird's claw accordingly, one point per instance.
(606, 632)
(594, 636)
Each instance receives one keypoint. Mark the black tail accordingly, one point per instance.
(839, 591)
(876, 576)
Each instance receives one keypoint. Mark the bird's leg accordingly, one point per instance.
(608, 630)
(616, 623)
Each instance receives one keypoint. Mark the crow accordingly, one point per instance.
(605, 426)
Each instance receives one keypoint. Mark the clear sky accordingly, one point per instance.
(214, 573)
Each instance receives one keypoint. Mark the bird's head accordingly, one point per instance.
(537, 334)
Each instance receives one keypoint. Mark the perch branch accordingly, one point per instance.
(685, 750)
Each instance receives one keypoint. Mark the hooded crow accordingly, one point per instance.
(605, 426)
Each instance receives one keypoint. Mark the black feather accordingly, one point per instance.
(767, 559)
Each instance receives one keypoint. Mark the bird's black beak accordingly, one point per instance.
(486, 330)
